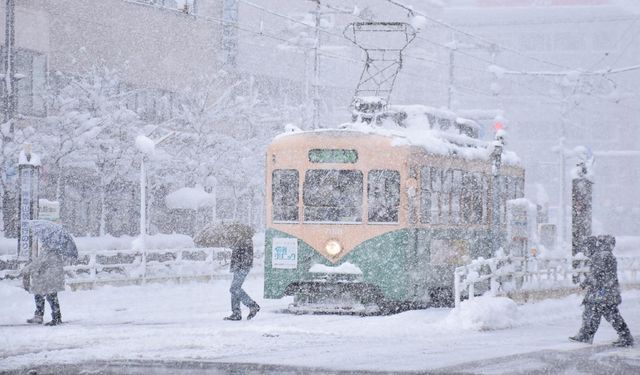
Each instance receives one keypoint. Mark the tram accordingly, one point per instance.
(365, 218)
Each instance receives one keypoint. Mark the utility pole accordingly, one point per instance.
(316, 68)
(229, 32)
(562, 222)
(9, 60)
(563, 215)
(452, 51)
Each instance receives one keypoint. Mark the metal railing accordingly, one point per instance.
(507, 274)
(119, 267)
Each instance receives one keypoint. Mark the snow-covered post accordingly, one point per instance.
(146, 146)
(29, 173)
(456, 286)
(143, 199)
(581, 202)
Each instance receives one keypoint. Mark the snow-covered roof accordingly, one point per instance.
(418, 132)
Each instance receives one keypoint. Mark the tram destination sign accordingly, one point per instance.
(333, 156)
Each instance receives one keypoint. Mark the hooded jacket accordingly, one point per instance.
(601, 283)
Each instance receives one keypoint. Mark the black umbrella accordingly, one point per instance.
(53, 237)
(225, 235)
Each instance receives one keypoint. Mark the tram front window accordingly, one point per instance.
(285, 195)
(332, 195)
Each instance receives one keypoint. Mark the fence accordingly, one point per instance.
(506, 275)
(119, 267)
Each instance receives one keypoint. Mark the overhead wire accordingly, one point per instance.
(341, 37)
(543, 75)
(480, 38)
(616, 43)
(244, 28)
(474, 36)
(562, 22)
(527, 87)
(289, 18)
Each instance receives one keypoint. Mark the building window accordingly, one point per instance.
(153, 105)
(31, 82)
(185, 6)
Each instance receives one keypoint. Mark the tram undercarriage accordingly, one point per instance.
(335, 294)
(350, 297)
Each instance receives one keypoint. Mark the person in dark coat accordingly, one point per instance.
(602, 293)
(44, 277)
(239, 238)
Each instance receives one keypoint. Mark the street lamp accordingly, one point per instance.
(146, 146)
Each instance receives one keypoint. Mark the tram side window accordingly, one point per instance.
(331, 195)
(472, 198)
(383, 196)
(285, 194)
(437, 196)
(447, 187)
(484, 181)
(456, 191)
(431, 195)
(425, 195)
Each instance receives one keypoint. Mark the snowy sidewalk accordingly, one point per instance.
(183, 324)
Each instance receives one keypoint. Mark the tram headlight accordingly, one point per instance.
(333, 247)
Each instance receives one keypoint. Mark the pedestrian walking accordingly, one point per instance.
(602, 293)
(43, 275)
(240, 240)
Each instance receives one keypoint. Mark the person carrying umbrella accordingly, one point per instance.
(239, 239)
(43, 275)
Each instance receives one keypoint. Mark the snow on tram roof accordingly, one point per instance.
(421, 135)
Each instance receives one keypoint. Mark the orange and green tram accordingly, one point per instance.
(363, 221)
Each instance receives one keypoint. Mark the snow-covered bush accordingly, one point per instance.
(484, 313)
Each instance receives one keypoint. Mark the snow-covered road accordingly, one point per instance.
(169, 322)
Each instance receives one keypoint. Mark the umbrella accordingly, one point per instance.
(53, 237)
(225, 235)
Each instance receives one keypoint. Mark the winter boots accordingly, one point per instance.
(253, 310)
(623, 342)
(581, 338)
(55, 320)
(37, 319)
(234, 316)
